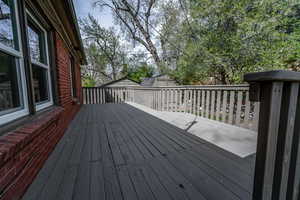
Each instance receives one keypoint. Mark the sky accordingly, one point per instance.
(105, 19)
(84, 7)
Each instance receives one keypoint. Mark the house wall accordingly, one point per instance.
(24, 150)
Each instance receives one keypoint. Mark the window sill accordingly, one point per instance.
(44, 105)
(14, 141)
(21, 121)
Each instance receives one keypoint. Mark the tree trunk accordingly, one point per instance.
(145, 32)
(155, 56)
(150, 46)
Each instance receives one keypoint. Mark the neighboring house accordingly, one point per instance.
(122, 82)
(159, 81)
(40, 86)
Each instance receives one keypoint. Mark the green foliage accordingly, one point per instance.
(88, 81)
(138, 72)
(103, 47)
(198, 41)
(228, 38)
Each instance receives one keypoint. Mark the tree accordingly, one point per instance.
(106, 56)
(96, 69)
(234, 37)
(138, 72)
(136, 19)
(171, 18)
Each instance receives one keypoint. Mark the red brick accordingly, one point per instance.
(24, 151)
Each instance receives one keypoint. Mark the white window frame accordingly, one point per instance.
(23, 111)
(71, 78)
(73, 84)
(49, 102)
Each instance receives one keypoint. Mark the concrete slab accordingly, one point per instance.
(237, 140)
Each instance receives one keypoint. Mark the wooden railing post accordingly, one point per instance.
(277, 170)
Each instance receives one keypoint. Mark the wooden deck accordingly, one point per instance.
(115, 151)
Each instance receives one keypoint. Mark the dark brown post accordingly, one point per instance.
(277, 170)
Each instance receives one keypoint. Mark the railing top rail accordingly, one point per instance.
(205, 87)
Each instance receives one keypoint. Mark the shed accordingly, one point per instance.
(159, 81)
(122, 82)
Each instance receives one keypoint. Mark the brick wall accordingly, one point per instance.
(24, 150)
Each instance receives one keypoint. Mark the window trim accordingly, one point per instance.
(73, 78)
(44, 104)
(9, 50)
(18, 55)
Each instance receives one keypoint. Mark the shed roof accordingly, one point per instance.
(118, 80)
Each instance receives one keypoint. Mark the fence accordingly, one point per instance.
(226, 103)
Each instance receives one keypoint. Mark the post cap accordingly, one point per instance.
(276, 75)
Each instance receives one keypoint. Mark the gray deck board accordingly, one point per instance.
(115, 152)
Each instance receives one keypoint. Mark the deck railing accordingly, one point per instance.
(226, 103)
(277, 170)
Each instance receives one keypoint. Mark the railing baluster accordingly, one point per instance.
(218, 105)
(185, 101)
(194, 100)
(113, 95)
(246, 121)
(203, 103)
(95, 95)
(224, 107)
(110, 98)
(198, 102)
(173, 101)
(190, 101)
(176, 100)
(167, 100)
(207, 103)
(179, 101)
(92, 95)
(164, 100)
(103, 95)
(84, 95)
(157, 100)
(256, 115)
(238, 119)
(231, 107)
(116, 95)
(153, 99)
(89, 96)
(213, 96)
(100, 95)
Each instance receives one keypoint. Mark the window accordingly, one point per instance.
(13, 85)
(73, 77)
(9, 83)
(13, 97)
(23, 93)
(39, 63)
(8, 28)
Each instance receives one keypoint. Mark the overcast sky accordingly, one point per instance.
(84, 7)
(104, 17)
